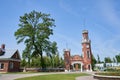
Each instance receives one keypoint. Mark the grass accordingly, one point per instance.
(55, 77)
(109, 73)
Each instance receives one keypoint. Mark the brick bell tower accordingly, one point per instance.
(67, 59)
(86, 51)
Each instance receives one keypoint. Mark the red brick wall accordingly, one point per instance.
(16, 66)
(67, 59)
(5, 69)
(86, 60)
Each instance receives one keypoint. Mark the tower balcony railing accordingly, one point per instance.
(85, 41)
(85, 31)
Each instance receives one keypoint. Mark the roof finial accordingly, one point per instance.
(66, 49)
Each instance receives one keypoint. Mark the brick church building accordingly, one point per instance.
(77, 62)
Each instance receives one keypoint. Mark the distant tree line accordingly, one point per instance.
(49, 62)
(115, 59)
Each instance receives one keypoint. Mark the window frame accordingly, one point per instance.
(11, 65)
(2, 66)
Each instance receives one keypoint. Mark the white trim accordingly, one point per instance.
(74, 62)
(1, 66)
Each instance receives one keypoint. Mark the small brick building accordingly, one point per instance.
(77, 62)
(10, 61)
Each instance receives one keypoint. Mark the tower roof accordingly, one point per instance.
(66, 49)
(85, 31)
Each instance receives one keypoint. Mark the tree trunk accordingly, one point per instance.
(41, 54)
(42, 61)
(29, 61)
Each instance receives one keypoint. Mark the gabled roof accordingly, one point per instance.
(9, 53)
(76, 57)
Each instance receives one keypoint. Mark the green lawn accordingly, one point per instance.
(109, 73)
(55, 77)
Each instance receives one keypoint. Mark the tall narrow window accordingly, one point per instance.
(1, 65)
(88, 54)
(82, 54)
(89, 67)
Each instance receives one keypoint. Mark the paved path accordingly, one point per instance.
(85, 78)
(15, 76)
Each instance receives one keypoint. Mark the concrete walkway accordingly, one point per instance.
(85, 78)
(15, 76)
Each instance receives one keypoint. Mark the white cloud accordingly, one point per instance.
(109, 12)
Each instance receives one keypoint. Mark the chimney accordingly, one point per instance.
(2, 49)
(3, 46)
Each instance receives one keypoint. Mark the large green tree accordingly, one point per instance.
(35, 30)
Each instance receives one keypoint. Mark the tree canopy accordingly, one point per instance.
(35, 30)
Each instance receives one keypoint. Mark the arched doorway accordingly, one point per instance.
(89, 67)
(77, 66)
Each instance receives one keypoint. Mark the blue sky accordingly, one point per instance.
(100, 17)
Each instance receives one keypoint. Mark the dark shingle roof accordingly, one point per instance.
(9, 53)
